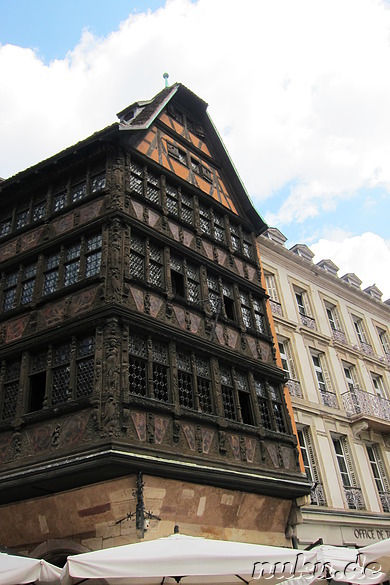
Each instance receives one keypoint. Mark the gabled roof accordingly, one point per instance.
(137, 118)
(141, 115)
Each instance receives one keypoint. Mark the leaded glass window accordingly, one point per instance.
(227, 390)
(21, 219)
(136, 178)
(85, 366)
(72, 264)
(51, 274)
(98, 182)
(137, 257)
(185, 380)
(203, 381)
(5, 227)
(277, 407)
(39, 210)
(9, 295)
(93, 255)
(172, 195)
(10, 390)
(138, 365)
(153, 188)
(78, 191)
(264, 405)
(28, 283)
(160, 371)
(193, 284)
(156, 265)
(59, 201)
(205, 219)
(61, 374)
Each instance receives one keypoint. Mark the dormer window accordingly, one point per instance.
(177, 153)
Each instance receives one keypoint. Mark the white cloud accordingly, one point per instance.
(298, 90)
(367, 255)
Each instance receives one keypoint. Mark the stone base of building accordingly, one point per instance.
(103, 515)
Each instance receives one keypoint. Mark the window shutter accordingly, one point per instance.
(310, 451)
(325, 371)
(271, 287)
(290, 359)
(354, 376)
(381, 467)
(306, 304)
(349, 463)
(336, 318)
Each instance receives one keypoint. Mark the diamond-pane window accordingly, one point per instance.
(79, 191)
(71, 273)
(5, 227)
(59, 201)
(160, 371)
(185, 382)
(21, 219)
(85, 366)
(10, 390)
(98, 182)
(227, 390)
(172, 200)
(39, 211)
(156, 266)
(264, 406)
(204, 385)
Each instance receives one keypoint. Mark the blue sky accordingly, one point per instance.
(53, 27)
(296, 89)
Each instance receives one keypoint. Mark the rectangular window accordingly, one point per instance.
(221, 297)
(136, 178)
(333, 318)
(271, 406)
(203, 383)
(287, 359)
(39, 211)
(360, 329)
(385, 341)
(59, 201)
(177, 153)
(179, 204)
(28, 283)
(85, 366)
(9, 291)
(78, 191)
(241, 241)
(185, 279)
(351, 377)
(153, 188)
(77, 261)
(379, 386)
(138, 366)
(50, 279)
(10, 390)
(317, 496)
(160, 371)
(324, 384)
(228, 398)
(252, 311)
(98, 182)
(21, 219)
(352, 492)
(185, 380)
(5, 227)
(379, 475)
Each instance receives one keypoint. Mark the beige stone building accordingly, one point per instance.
(334, 343)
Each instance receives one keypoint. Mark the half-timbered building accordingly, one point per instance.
(141, 386)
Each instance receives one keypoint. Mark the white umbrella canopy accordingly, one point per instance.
(377, 556)
(186, 560)
(16, 570)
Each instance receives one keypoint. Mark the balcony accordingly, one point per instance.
(339, 336)
(317, 495)
(308, 321)
(385, 501)
(294, 388)
(354, 498)
(361, 405)
(366, 348)
(329, 399)
(276, 308)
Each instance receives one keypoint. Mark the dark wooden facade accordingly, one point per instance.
(135, 334)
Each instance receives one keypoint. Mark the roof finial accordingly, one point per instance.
(165, 76)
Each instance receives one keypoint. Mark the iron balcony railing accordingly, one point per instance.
(385, 501)
(308, 321)
(317, 495)
(339, 336)
(329, 399)
(354, 498)
(276, 308)
(294, 388)
(357, 401)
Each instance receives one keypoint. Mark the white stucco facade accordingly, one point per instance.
(334, 343)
